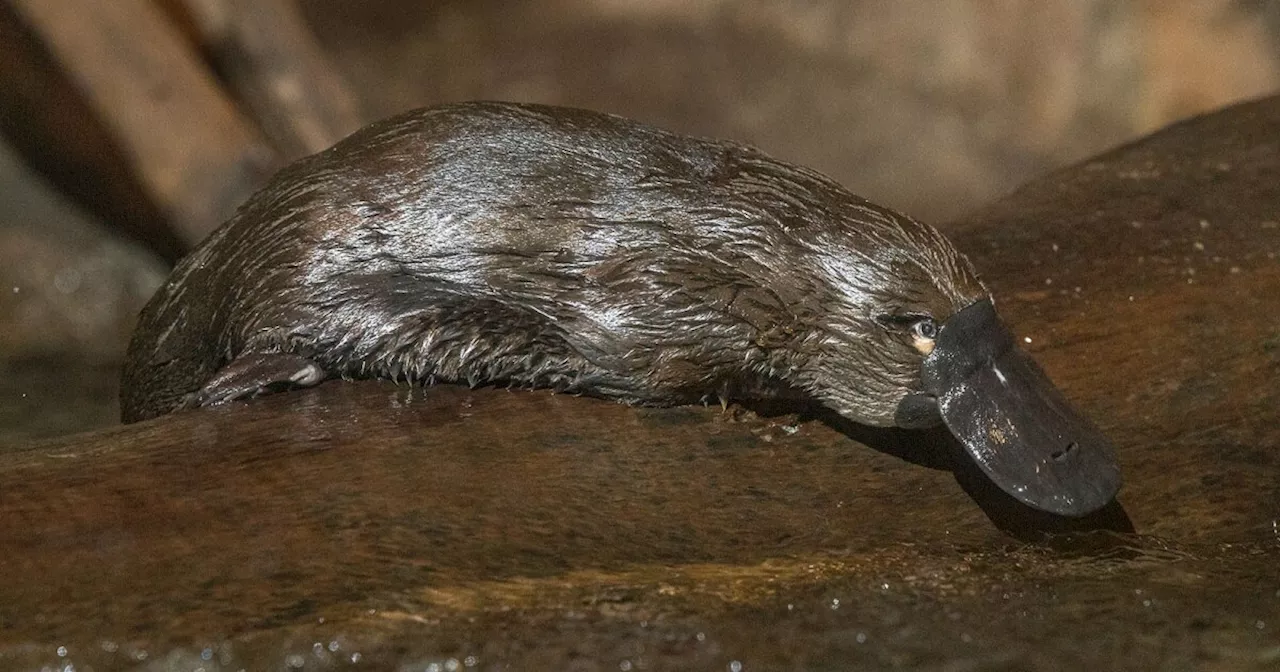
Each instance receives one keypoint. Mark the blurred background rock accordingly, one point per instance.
(930, 106)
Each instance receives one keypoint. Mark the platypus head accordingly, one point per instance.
(910, 338)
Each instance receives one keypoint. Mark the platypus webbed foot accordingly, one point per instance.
(255, 374)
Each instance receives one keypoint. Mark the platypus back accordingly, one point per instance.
(620, 259)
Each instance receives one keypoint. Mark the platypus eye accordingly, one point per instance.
(925, 328)
(923, 331)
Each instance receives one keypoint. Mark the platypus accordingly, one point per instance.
(536, 246)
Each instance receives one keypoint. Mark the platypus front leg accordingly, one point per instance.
(254, 374)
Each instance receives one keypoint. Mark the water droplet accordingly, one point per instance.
(333, 646)
(1026, 339)
(735, 666)
(1259, 624)
(451, 665)
(295, 662)
(861, 637)
(702, 637)
(62, 652)
(625, 666)
(470, 661)
(835, 603)
(206, 653)
(355, 657)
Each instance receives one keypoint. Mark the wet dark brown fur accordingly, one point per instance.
(539, 246)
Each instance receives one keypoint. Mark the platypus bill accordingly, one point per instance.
(526, 245)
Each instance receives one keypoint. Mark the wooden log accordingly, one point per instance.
(270, 59)
(195, 155)
(44, 117)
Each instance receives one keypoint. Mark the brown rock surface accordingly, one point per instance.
(370, 526)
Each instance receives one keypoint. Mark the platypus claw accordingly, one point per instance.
(253, 374)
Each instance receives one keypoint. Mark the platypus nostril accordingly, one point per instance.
(1060, 455)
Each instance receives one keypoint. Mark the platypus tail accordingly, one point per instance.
(171, 353)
